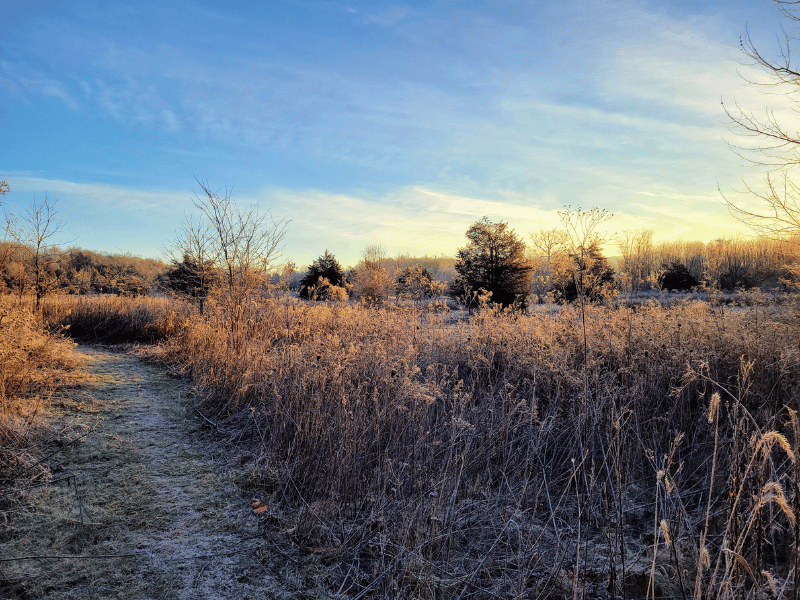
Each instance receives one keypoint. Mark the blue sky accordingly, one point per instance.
(369, 122)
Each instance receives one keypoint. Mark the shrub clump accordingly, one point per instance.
(677, 278)
(322, 278)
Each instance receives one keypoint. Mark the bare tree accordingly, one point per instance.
(34, 237)
(193, 270)
(372, 281)
(241, 245)
(546, 244)
(777, 143)
(638, 256)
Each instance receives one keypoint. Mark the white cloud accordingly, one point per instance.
(35, 83)
(103, 195)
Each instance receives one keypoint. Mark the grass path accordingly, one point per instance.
(143, 481)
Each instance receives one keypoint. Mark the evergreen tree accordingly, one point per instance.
(326, 267)
(190, 278)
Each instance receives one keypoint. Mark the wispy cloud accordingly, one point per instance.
(406, 135)
(35, 83)
(389, 17)
(116, 196)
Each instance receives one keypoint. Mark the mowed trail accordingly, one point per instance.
(147, 484)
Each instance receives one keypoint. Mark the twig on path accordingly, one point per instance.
(205, 418)
(65, 556)
(37, 485)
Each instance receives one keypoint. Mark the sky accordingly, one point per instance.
(367, 123)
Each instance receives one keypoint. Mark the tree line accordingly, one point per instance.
(229, 254)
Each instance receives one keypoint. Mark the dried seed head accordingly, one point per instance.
(773, 492)
(705, 558)
(712, 407)
(773, 437)
(771, 582)
(665, 531)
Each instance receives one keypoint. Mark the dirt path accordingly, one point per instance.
(145, 482)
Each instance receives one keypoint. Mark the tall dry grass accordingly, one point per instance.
(515, 456)
(113, 319)
(33, 363)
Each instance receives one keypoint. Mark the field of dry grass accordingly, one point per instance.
(649, 453)
(113, 319)
(35, 368)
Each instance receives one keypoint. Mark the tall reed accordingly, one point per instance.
(113, 319)
(33, 363)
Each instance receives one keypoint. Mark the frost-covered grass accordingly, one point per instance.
(518, 455)
(641, 448)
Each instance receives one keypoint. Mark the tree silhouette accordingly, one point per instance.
(494, 261)
(190, 279)
(325, 267)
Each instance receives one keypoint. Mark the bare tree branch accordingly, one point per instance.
(780, 143)
(240, 246)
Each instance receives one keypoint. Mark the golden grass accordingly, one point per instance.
(507, 455)
(33, 363)
(112, 319)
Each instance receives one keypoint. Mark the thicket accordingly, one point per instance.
(416, 283)
(371, 280)
(642, 264)
(33, 364)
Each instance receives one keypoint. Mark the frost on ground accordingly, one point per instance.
(141, 506)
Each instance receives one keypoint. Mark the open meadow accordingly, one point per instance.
(386, 301)
(609, 451)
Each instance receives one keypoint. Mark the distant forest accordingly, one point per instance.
(639, 266)
(79, 271)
